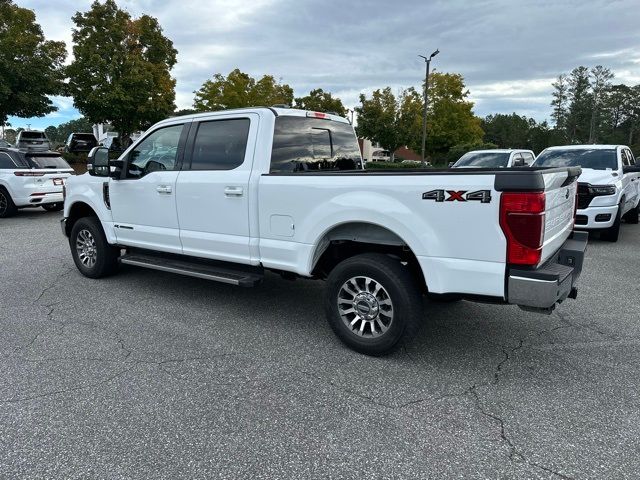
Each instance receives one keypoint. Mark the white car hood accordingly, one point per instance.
(597, 177)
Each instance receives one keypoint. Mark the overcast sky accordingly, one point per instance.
(508, 51)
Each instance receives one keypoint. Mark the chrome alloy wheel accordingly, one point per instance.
(86, 248)
(365, 307)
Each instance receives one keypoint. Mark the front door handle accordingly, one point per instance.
(164, 189)
(233, 191)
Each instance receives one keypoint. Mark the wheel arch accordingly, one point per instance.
(77, 211)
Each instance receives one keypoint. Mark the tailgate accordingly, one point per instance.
(560, 202)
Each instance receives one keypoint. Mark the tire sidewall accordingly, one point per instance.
(403, 300)
(10, 209)
(103, 261)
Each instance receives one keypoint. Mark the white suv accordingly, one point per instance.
(608, 188)
(495, 158)
(31, 179)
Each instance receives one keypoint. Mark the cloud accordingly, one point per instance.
(508, 50)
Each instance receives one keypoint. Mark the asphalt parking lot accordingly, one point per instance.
(150, 375)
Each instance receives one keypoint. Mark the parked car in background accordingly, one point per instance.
(35, 140)
(80, 142)
(228, 195)
(495, 158)
(380, 156)
(608, 188)
(31, 179)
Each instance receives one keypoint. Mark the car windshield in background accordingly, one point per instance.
(597, 159)
(484, 159)
(84, 137)
(32, 135)
(49, 162)
(305, 144)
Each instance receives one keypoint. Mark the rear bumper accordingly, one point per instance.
(596, 217)
(40, 199)
(542, 288)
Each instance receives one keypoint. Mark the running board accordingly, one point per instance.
(203, 269)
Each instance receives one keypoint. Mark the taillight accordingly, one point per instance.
(522, 221)
(28, 174)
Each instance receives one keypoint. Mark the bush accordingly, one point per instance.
(75, 158)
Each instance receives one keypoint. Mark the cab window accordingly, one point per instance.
(157, 152)
(220, 144)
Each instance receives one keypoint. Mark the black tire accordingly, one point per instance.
(444, 297)
(612, 233)
(396, 283)
(632, 215)
(53, 207)
(7, 207)
(88, 231)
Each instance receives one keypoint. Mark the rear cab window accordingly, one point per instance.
(303, 144)
(48, 161)
(220, 144)
(32, 135)
(594, 158)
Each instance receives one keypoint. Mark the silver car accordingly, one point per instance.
(34, 140)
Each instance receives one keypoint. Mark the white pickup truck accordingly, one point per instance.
(229, 195)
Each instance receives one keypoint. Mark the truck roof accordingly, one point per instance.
(500, 150)
(277, 111)
(580, 147)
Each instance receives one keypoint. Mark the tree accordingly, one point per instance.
(580, 106)
(560, 101)
(30, 66)
(121, 68)
(10, 135)
(507, 131)
(238, 90)
(52, 133)
(392, 122)
(320, 101)
(450, 115)
(600, 84)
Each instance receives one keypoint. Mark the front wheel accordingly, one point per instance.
(53, 207)
(372, 301)
(91, 252)
(612, 233)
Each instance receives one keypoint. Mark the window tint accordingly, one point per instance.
(595, 158)
(6, 161)
(156, 152)
(36, 135)
(484, 159)
(48, 162)
(220, 144)
(302, 144)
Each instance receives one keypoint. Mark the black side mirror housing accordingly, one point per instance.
(98, 162)
(631, 169)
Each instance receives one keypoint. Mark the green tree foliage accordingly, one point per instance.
(600, 85)
(392, 122)
(320, 101)
(507, 131)
(238, 90)
(560, 101)
(450, 115)
(10, 135)
(579, 115)
(457, 151)
(60, 133)
(121, 68)
(30, 66)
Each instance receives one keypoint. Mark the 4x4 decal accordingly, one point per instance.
(482, 196)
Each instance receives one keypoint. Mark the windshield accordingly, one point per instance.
(84, 137)
(302, 144)
(484, 159)
(597, 159)
(49, 162)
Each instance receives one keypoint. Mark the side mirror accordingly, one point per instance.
(451, 164)
(98, 162)
(518, 162)
(631, 169)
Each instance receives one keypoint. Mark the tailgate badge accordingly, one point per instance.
(58, 181)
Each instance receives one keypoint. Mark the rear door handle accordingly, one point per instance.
(166, 189)
(233, 191)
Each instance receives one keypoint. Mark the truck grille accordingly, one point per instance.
(584, 195)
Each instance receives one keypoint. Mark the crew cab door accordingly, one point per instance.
(630, 182)
(212, 191)
(143, 201)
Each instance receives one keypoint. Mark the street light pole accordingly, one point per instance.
(427, 61)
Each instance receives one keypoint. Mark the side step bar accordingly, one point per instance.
(204, 269)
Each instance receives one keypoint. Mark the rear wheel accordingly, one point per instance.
(7, 207)
(612, 233)
(53, 207)
(372, 302)
(91, 252)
